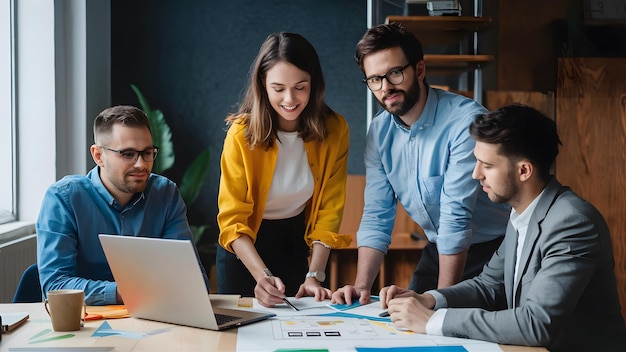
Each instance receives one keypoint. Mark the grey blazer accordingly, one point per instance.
(566, 296)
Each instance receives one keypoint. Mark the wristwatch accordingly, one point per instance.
(318, 275)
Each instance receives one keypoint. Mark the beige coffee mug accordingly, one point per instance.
(65, 308)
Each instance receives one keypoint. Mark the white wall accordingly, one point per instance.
(63, 75)
(35, 102)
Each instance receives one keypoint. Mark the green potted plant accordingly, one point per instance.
(193, 177)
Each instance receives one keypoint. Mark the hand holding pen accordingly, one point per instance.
(270, 291)
(269, 274)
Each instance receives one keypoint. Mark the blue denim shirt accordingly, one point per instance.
(76, 209)
(428, 168)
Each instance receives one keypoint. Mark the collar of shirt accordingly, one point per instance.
(520, 221)
(94, 177)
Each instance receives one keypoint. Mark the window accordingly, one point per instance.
(7, 126)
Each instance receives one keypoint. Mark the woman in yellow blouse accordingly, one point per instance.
(282, 187)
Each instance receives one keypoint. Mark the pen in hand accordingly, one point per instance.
(268, 273)
(290, 304)
(384, 314)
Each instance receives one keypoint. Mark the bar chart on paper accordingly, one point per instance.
(336, 333)
(312, 327)
(321, 326)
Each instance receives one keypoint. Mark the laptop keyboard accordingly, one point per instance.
(223, 318)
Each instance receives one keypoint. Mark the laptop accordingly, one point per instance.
(160, 279)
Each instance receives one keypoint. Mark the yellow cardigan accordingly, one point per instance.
(247, 176)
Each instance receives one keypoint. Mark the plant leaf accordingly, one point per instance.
(162, 138)
(197, 232)
(195, 176)
(142, 100)
(161, 134)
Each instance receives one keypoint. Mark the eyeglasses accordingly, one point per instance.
(395, 76)
(130, 156)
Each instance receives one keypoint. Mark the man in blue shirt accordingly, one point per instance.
(118, 196)
(418, 151)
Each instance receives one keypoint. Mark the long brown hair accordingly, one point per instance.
(255, 109)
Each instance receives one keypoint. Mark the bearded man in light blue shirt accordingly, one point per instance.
(419, 152)
(118, 196)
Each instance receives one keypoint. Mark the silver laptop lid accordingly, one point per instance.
(159, 279)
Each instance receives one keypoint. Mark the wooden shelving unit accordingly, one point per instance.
(440, 34)
(432, 30)
(443, 64)
(446, 30)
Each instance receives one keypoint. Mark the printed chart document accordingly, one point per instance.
(333, 328)
(369, 311)
(340, 334)
(309, 306)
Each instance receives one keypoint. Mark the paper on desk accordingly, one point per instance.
(341, 307)
(340, 334)
(369, 311)
(306, 306)
(12, 320)
(309, 306)
(413, 349)
(106, 330)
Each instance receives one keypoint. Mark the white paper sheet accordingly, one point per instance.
(306, 306)
(339, 334)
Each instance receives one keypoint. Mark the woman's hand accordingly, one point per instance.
(269, 291)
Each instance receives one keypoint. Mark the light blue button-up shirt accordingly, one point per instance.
(428, 168)
(76, 209)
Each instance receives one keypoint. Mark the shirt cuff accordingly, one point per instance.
(434, 326)
(440, 300)
(110, 293)
(323, 244)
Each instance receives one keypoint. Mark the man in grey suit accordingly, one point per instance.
(552, 282)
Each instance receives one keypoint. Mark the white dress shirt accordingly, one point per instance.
(434, 326)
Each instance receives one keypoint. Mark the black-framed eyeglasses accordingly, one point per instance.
(394, 76)
(130, 156)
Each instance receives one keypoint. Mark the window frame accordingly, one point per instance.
(8, 141)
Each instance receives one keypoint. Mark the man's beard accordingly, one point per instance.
(410, 98)
(506, 192)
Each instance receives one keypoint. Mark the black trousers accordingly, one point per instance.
(280, 243)
(426, 273)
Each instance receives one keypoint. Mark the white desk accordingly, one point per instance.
(179, 338)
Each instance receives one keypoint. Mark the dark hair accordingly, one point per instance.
(126, 115)
(521, 132)
(256, 110)
(386, 36)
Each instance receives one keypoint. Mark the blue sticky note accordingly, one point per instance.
(344, 306)
(104, 330)
(413, 349)
(358, 316)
